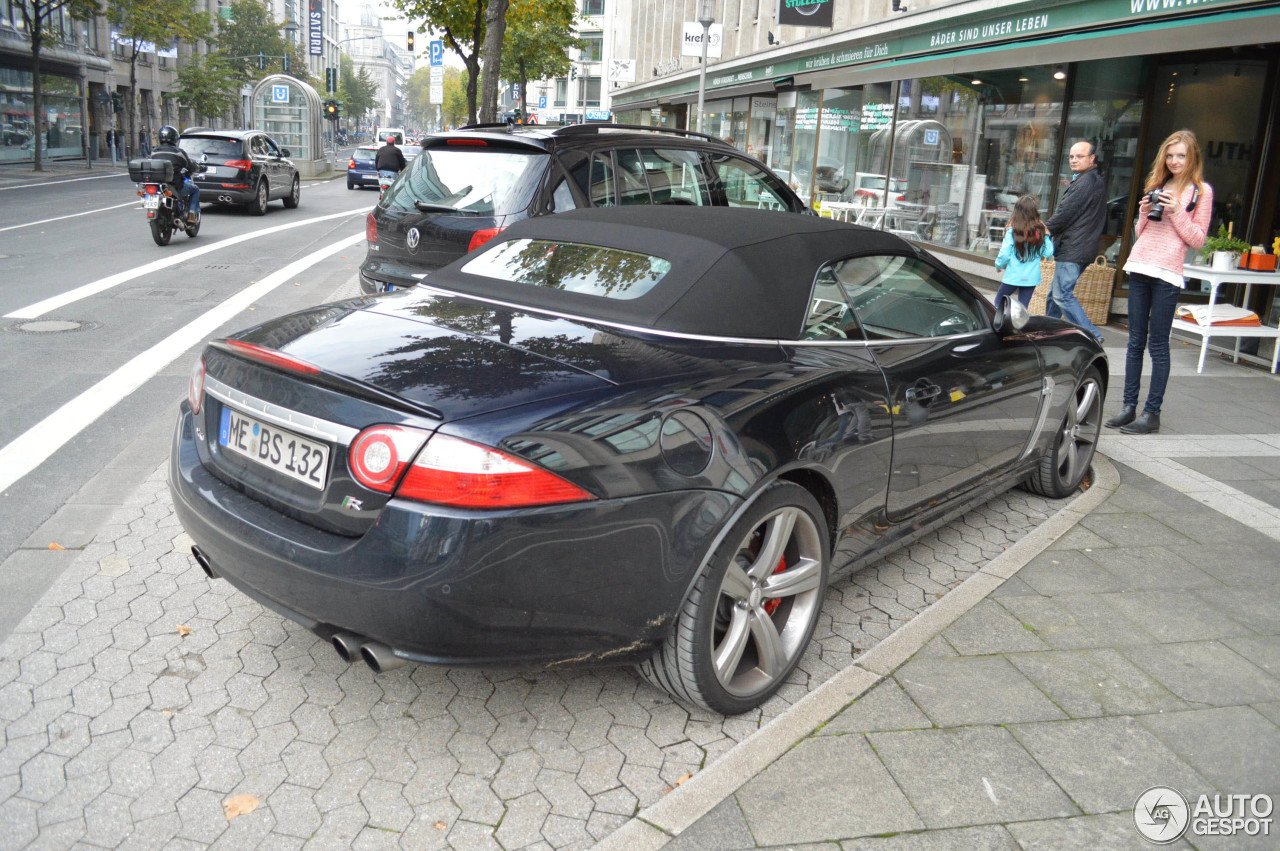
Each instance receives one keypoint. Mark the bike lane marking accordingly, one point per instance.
(56, 182)
(70, 216)
(40, 308)
(31, 448)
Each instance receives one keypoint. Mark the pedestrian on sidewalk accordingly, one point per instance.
(1025, 244)
(1172, 217)
(144, 142)
(1077, 230)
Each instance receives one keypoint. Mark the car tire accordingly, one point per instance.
(1070, 458)
(258, 206)
(747, 622)
(294, 197)
(350, 185)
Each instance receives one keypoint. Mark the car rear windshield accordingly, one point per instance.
(571, 267)
(362, 156)
(478, 181)
(197, 145)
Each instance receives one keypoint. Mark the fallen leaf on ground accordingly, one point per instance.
(240, 805)
(183, 630)
(166, 711)
(440, 825)
(682, 778)
(56, 546)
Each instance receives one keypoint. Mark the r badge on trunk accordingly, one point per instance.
(411, 240)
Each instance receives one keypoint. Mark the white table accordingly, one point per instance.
(1215, 279)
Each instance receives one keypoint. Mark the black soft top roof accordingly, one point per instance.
(735, 272)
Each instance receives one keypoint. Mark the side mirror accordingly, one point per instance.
(1011, 317)
(284, 152)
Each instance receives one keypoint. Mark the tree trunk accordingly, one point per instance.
(524, 94)
(495, 22)
(473, 74)
(132, 137)
(36, 96)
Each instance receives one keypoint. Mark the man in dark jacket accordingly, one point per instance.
(183, 168)
(1077, 229)
(389, 158)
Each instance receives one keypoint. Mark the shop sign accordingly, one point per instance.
(877, 114)
(763, 107)
(806, 13)
(691, 43)
(835, 118)
(597, 115)
(316, 32)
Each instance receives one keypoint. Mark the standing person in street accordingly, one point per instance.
(1077, 229)
(111, 143)
(144, 142)
(1025, 244)
(1173, 216)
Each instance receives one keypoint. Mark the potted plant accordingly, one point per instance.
(1222, 249)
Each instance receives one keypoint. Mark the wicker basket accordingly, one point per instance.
(1093, 290)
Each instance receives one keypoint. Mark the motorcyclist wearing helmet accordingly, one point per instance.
(183, 168)
(390, 159)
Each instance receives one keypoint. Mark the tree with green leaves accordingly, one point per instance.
(43, 22)
(207, 85)
(537, 43)
(495, 26)
(153, 25)
(460, 24)
(358, 91)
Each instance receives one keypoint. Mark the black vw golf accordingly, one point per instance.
(634, 435)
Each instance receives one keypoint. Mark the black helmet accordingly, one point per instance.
(168, 135)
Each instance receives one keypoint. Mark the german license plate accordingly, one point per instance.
(150, 202)
(275, 448)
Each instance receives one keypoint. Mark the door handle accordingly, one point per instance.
(923, 392)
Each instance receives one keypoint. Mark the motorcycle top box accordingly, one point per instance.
(151, 171)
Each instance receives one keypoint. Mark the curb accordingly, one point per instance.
(658, 824)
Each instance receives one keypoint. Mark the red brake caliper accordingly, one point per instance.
(771, 606)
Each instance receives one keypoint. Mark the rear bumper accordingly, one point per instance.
(362, 178)
(585, 583)
(215, 192)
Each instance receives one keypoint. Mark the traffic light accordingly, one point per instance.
(262, 61)
(411, 41)
(330, 80)
(117, 102)
(331, 111)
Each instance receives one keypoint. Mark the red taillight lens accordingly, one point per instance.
(151, 189)
(480, 237)
(379, 454)
(469, 143)
(195, 387)
(456, 472)
(243, 165)
(370, 228)
(271, 357)
(351, 163)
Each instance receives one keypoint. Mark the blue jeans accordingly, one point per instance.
(1062, 302)
(191, 194)
(1023, 294)
(1151, 306)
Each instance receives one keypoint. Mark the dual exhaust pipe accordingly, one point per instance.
(224, 199)
(348, 645)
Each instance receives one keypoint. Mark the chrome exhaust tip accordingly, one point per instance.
(347, 645)
(379, 657)
(203, 561)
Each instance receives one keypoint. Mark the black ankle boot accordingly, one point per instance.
(1148, 423)
(1126, 416)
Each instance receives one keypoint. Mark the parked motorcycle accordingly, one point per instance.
(166, 209)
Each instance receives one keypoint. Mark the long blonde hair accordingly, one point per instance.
(1193, 173)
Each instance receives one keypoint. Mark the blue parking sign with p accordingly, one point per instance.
(437, 53)
(279, 94)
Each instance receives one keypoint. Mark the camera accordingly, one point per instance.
(1156, 213)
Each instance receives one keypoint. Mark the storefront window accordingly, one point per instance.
(784, 133)
(62, 124)
(804, 144)
(1106, 109)
(763, 115)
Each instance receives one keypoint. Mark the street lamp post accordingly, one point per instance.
(706, 17)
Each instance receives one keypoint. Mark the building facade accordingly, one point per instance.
(389, 66)
(947, 113)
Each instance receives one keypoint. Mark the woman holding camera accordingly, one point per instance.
(1173, 216)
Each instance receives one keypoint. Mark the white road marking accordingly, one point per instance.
(46, 437)
(55, 182)
(70, 216)
(54, 302)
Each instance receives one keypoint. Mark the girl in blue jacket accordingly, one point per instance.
(1026, 243)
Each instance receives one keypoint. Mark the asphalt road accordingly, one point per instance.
(77, 254)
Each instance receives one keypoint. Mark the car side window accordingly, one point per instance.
(256, 146)
(747, 184)
(602, 192)
(562, 197)
(633, 185)
(896, 297)
(269, 146)
(830, 316)
(675, 177)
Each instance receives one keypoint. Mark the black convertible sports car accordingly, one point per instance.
(632, 435)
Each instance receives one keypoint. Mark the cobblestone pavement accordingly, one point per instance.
(122, 729)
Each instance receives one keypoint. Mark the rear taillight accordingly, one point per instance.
(271, 357)
(195, 387)
(351, 163)
(456, 472)
(379, 454)
(370, 228)
(243, 165)
(151, 189)
(480, 237)
(468, 143)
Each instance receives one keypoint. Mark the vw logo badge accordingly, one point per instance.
(411, 240)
